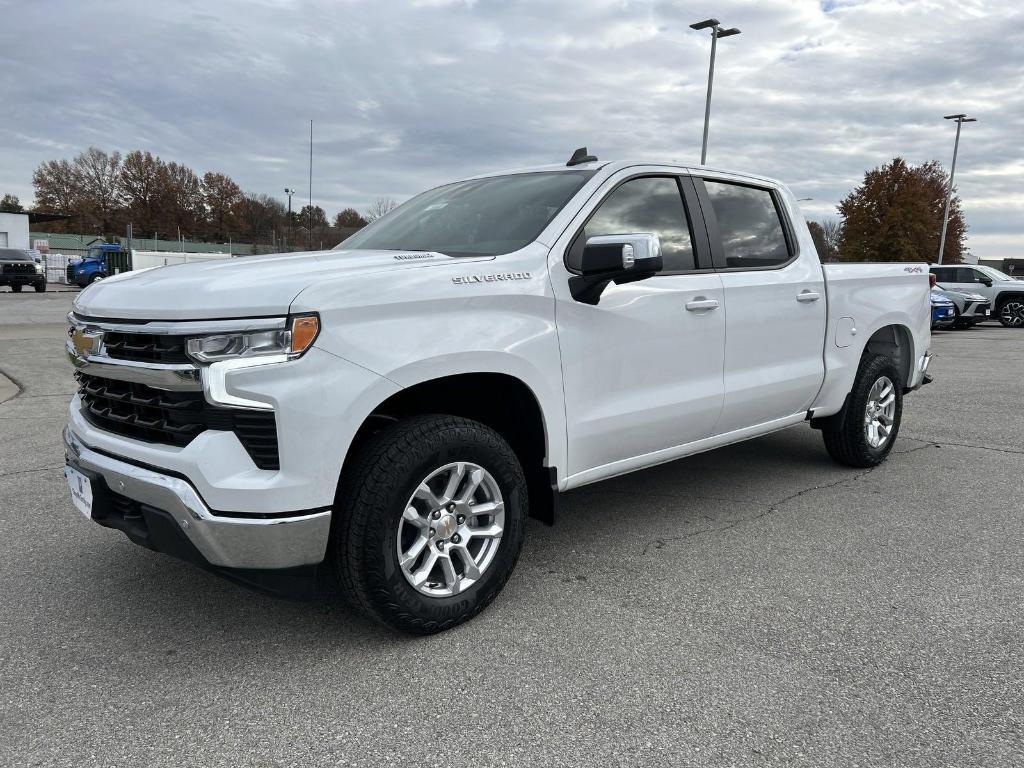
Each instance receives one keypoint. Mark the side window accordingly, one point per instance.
(944, 275)
(965, 275)
(649, 204)
(752, 234)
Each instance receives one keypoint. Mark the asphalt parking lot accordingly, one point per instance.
(756, 605)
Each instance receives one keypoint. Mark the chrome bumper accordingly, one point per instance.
(227, 542)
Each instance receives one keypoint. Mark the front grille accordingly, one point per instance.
(19, 269)
(173, 418)
(145, 347)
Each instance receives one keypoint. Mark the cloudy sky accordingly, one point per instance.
(406, 95)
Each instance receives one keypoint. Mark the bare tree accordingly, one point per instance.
(58, 187)
(181, 197)
(221, 195)
(380, 207)
(826, 236)
(141, 176)
(100, 175)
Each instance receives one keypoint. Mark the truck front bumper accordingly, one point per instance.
(165, 513)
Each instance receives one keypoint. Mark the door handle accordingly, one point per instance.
(808, 296)
(696, 305)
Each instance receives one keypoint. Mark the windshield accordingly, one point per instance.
(995, 274)
(13, 254)
(480, 217)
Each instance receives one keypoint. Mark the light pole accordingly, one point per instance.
(960, 120)
(716, 32)
(289, 192)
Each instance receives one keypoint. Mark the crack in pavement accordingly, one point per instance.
(30, 471)
(659, 543)
(960, 445)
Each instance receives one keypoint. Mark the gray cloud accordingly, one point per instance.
(409, 95)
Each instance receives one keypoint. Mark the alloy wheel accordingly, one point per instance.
(880, 412)
(1012, 313)
(450, 529)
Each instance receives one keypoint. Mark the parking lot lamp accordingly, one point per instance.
(716, 32)
(960, 120)
(289, 192)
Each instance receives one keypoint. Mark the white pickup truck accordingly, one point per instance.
(391, 411)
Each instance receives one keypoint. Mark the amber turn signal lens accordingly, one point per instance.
(304, 331)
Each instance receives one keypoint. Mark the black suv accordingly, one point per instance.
(18, 268)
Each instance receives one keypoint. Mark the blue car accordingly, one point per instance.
(943, 311)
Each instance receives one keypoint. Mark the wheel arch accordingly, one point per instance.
(1004, 296)
(897, 342)
(501, 401)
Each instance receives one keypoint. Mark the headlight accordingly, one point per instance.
(40, 268)
(291, 342)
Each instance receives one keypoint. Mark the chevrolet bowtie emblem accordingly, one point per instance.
(85, 342)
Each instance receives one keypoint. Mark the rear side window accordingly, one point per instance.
(945, 274)
(968, 275)
(749, 224)
(648, 204)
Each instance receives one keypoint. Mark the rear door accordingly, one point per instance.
(971, 280)
(775, 304)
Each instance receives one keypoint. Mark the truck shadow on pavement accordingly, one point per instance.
(604, 528)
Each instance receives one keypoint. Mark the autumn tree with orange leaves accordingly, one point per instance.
(896, 215)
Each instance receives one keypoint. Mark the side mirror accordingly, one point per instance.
(986, 282)
(615, 258)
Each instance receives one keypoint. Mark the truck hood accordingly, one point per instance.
(248, 286)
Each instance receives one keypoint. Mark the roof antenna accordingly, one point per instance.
(579, 157)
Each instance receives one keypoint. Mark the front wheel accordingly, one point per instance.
(1011, 313)
(16, 288)
(872, 418)
(430, 522)
(40, 287)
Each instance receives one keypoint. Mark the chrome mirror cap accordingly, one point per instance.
(637, 247)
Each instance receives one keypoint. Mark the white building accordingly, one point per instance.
(14, 230)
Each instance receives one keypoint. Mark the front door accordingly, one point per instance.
(642, 369)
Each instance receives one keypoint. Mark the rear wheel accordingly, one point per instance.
(430, 522)
(1011, 313)
(872, 418)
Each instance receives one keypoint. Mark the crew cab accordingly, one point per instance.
(392, 410)
(1004, 293)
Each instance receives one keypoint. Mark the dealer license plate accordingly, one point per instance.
(81, 490)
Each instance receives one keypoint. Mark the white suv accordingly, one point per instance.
(1004, 292)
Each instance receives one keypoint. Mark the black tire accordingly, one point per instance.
(94, 278)
(40, 287)
(372, 495)
(1011, 312)
(960, 322)
(849, 443)
(16, 288)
